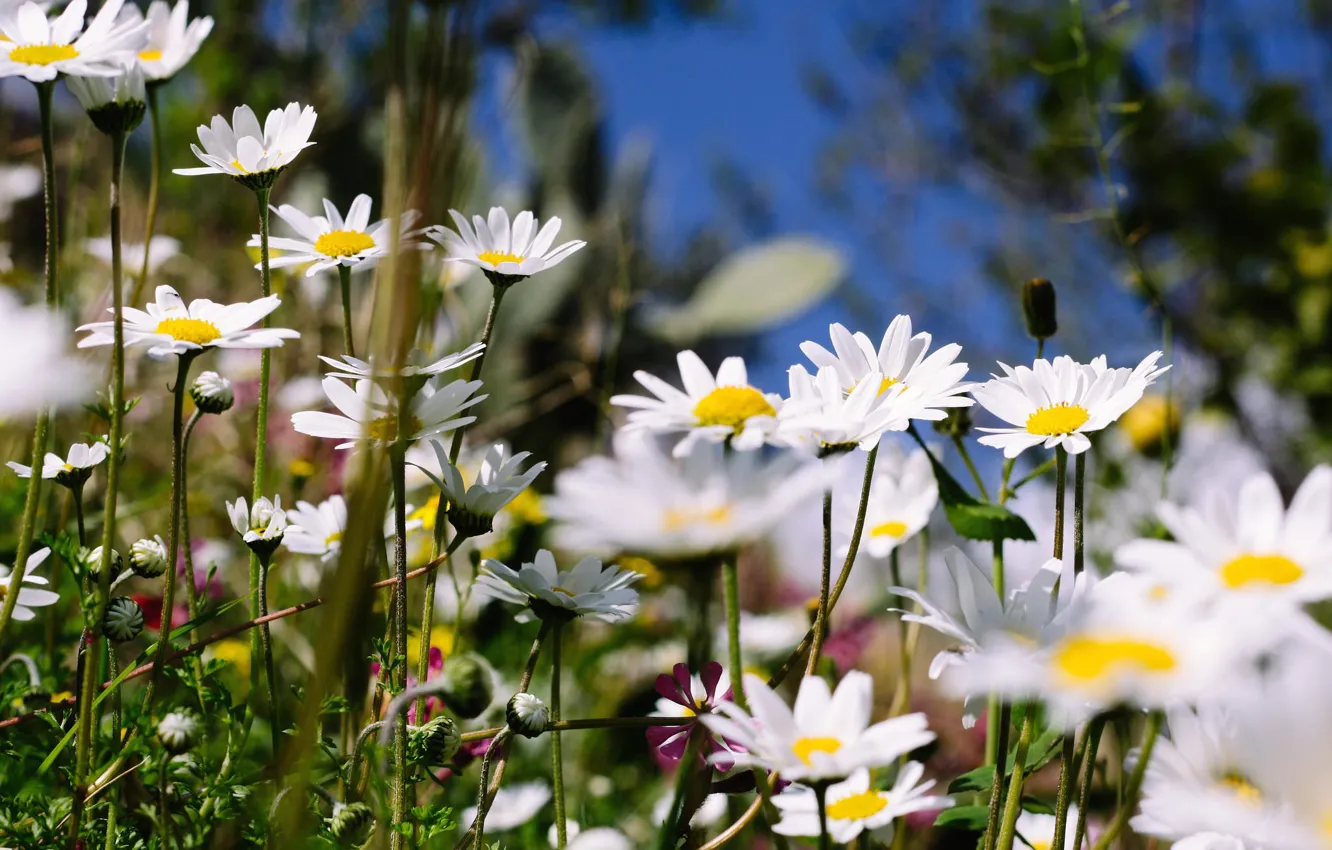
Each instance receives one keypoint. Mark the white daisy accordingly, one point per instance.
(646, 502)
(1211, 841)
(28, 598)
(40, 50)
(160, 249)
(903, 495)
(354, 368)
(317, 530)
(827, 736)
(16, 183)
(587, 590)
(368, 412)
(1246, 542)
(1038, 830)
(854, 807)
(724, 408)
(924, 385)
(496, 248)
(170, 327)
(123, 89)
(243, 149)
(514, 805)
(819, 414)
(173, 38)
(70, 470)
(35, 341)
(766, 636)
(329, 240)
(1059, 403)
(498, 482)
(709, 813)
(266, 522)
(603, 838)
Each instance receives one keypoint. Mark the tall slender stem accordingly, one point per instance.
(1068, 769)
(676, 820)
(825, 589)
(398, 681)
(270, 677)
(556, 752)
(423, 647)
(1013, 805)
(1001, 725)
(77, 495)
(1079, 492)
(821, 796)
(260, 442)
(187, 552)
(1061, 477)
(344, 279)
(903, 650)
(731, 590)
(971, 467)
(1091, 743)
(1134, 785)
(154, 179)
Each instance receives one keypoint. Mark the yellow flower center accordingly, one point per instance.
(236, 164)
(652, 577)
(1057, 419)
(884, 385)
(150, 55)
(559, 589)
(497, 257)
(805, 748)
(1040, 845)
(677, 519)
(1241, 787)
(526, 508)
(385, 428)
(68, 467)
(196, 331)
(858, 806)
(889, 529)
(1086, 658)
(732, 407)
(1265, 569)
(335, 537)
(42, 54)
(343, 243)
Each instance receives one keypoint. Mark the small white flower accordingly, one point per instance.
(418, 364)
(724, 408)
(317, 530)
(327, 241)
(170, 327)
(40, 50)
(173, 38)
(243, 149)
(368, 413)
(178, 731)
(820, 414)
(903, 495)
(1059, 403)
(73, 469)
(708, 814)
(514, 806)
(97, 92)
(212, 393)
(854, 807)
(35, 341)
(498, 482)
(160, 249)
(587, 590)
(827, 736)
(518, 251)
(527, 714)
(265, 522)
(28, 598)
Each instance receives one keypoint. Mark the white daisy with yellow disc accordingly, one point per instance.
(173, 38)
(366, 413)
(497, 246)
(853, 806)
(243, 149)
(330, 240)
(40, 50)
(903, 495)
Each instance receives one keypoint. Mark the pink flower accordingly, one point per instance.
(685, 695)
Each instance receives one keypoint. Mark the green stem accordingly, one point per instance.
(112, 810)
(675, 822)
(187, 552)
(1000, 722)
(77, 495)
(260, 446)
(1134, 786)
(821, 795)
(971, 467)
(731, 589)
(344, 278)
(1091, 743)
(556, 753)
(1068, 768)
(423, 647)
(992, 746)
(1079, 473)
(1061, 477)
(825, 589)
(484, 798)
(270, 677)
(903, 650)
(154, 178)
(1013, 805)
(398, 681)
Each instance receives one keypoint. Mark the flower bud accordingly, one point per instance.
(433, 744)
(124, 619)
(527, 715)
(94, 562)
(1038, 305)
(351, 823)
(957, 423)
(148, 557)
(178, 731)
(212, 393)
(469, 524)
(468, 685)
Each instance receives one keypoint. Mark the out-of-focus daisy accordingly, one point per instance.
(827, 736)
(317, 529)
(70, 471)
(499, 480)
(417, 365)
(40, 50)
(708, 814)
(1059, 403)
(173, 38)
(819, 414)
(369, 413)
(1246, 542)
(923, 385)
(35, 341)
(1038, 830)
(767, 636)
(724, 408)
(601, 838)
(645, 502)
(250, 153)
(28, 598)
(544, 589)
(516, 251)
(329, 240)
(16, 183)
(688, 695)
(903, 494)
(160, 249)
(514, 806)
(115, 104)
(170, 327)
(854, 807)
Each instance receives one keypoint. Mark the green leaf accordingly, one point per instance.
(969, 516)
(1043, 750)
(1040, 807)
(973, 818)
(979, 779)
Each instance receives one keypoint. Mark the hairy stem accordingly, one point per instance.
(1000, 723)
(556, 752)
(1134, 785)
(825, 589)
(344, 280)
(270, 677)
(1013, 805)
(398, 680)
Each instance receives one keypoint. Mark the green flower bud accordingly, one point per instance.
(1038, 305)
(352, 823)
(178, 731)
(468, 685)
(123, 620)
(434, 743)
(527, 715)
(212, 393)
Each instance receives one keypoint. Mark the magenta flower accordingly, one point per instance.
(686, 695)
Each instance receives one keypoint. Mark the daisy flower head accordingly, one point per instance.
(35, 341)
(819, 414)
(28, 597)
(1059, 403)
(903, 495)
(367, 413)
(254, 156)
(71, 471)
(472, 510)
(173, 38)
(317, 529)
(262, 526)
(170, 327)
(506, 253)
(115, 104)
(688, 695)
(826, 736)
(924, 385)
(418, 365)
(160, 250)
(327, 241)
(39, 49)
(514, 805)
(720, 408)
(1038, 830)
(1247, 544)
(544, 590)
(854, 807)
(644, 501)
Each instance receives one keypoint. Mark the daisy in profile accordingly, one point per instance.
(71, 471)
(826, 736)
(170, 327)
(367, 413)
(903, 495)
(503, 251)
(721, 408)
(35, 349)
(40, 50)
(173, 38)
(820, 415)
(544, 590)
(327, 241)
(252, 154)
(262, 526)
(1038, 830)
(160, 250)
(418, 365)
(1246, 543)
(317, 529)
(854, 807)
(29, 597)
(501, 477)
(1059, 403)
(925, 384)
